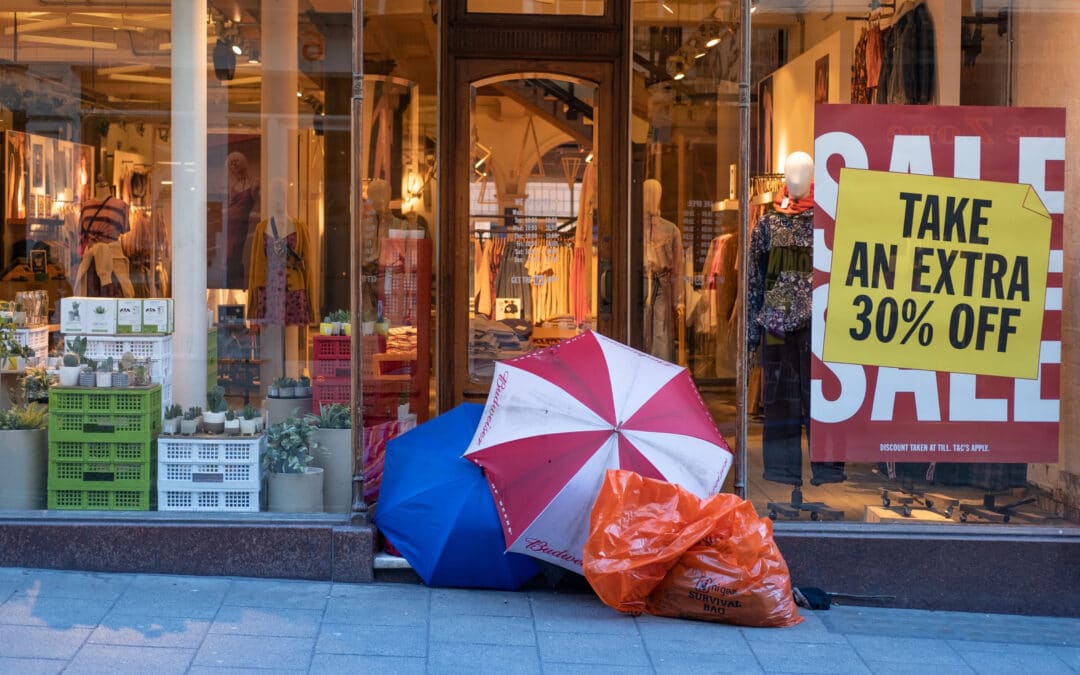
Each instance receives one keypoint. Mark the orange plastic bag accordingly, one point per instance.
(657, 548)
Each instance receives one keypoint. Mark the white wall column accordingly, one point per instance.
(189, 201)
(280, 24)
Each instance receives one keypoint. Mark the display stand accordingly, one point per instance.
(906, 500)
(793, 509)
(990, 511)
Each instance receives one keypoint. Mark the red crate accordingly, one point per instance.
(322, 370)
(331, 347)
(328, 392)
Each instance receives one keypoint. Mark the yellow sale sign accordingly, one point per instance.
(937, 274)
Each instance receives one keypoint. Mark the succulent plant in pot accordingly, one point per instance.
(287, 388)
(23, 437)
(35, 384)
(303, 387)
(189, 425)
(105, 372)
(295, 487)
(248, 423)
(69, 370)
(274, 390)
(171, 424)
(232, 423)
(140, 374)
(216, 407)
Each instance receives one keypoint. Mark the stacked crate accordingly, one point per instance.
(156, 350)
(101, 444)
(209, 473)
(331, 369)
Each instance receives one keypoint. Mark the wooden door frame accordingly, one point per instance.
(475, 47)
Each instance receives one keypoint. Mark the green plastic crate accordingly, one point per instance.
(89, 476)
(83, 414)
(76, 451)
(100, 500)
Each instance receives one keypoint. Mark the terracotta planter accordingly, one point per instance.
(334, 456)
(297, 492)
(22, 482)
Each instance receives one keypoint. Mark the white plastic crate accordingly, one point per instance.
(208, 464)
(208, 500)
(36, 339)
(156, 351)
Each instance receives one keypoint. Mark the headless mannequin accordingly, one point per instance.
(663, 276)
(780, 264)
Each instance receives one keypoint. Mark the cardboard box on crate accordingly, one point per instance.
(101, 447)
(218, 473)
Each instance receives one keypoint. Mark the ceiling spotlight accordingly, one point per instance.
(676, 66)
(666, 7)
(753, 6)
(589, 157)
(236, 49)
(712, 33)
(696, 47)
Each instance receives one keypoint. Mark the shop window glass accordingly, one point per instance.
(972, 439)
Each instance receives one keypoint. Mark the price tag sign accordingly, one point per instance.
(936, 273)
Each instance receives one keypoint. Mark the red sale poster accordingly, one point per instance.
(952, 262)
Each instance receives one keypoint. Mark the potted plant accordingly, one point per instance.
(287, 388)
(274, 390)
(35, 384)
(140, 374)
(247, 421)
(88, 374)
(232, 423)
(303, 387)
(122, 376)
(69, 371)
(334, 455)
(214, 417)
(189, 425)
(337, 320)
(171, 425)
(23, 437)
(295, 487)
(104, 372)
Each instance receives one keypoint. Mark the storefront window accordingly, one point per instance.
(889, 383)
(533, 217)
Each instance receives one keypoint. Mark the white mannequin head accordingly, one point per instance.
(798, 174)
(650, 202)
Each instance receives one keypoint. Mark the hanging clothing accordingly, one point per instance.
(778, 276)
(580, 271)
(873, 59)
(237, 228)
(909, 60)
(860, 93)
(720, 288)
(663, 286)
(104, 272)
(102, 220)
(279, 277)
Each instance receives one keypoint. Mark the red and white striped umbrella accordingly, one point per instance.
(557, 419)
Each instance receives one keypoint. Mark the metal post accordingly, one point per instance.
(356, 243)
(741, 374)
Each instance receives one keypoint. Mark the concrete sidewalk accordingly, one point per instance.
(78, 622)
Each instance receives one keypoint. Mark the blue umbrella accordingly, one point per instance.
(437, 510)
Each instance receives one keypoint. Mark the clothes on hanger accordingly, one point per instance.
(909, 62)
(102, 221)
(280, 276)
(663, 287)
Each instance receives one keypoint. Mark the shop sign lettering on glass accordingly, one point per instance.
(937, 283)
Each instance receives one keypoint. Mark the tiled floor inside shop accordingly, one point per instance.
(862, 497)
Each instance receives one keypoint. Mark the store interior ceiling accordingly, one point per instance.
(116, 56)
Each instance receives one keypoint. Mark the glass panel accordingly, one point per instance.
(686, 132)
(972, 438)
(558, 7)
(532, 216)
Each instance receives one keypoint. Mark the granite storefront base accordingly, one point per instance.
(333, 550)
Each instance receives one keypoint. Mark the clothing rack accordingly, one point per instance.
(875, 6)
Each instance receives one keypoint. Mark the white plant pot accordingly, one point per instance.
(334, 456)
(232, 427)
(189, 427)
(273, 392)
(259, 423)
(170, 426)
(23, 480)
(297, 492)
(247, 427)
(69, 376)
(104, 379)
(214, 422)
(286, 392)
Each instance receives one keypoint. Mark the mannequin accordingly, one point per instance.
(778, 327)
(664, 303)
(104, 269)
(279, 276)
(243, 196)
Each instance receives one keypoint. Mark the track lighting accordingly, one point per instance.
(676, 66)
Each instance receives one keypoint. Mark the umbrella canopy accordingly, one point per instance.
(557, 419)
(436, 508)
